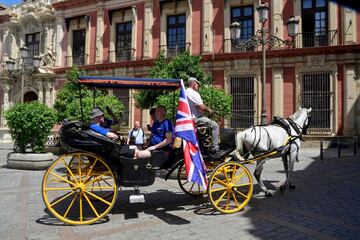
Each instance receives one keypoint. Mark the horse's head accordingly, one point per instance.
(303, 118)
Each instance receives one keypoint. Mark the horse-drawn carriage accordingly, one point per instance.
(81, 186)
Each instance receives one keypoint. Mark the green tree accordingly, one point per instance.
(183, 65)
(30, 125)
(67, 103)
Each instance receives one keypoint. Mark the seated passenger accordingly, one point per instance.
(161, 134)
(102, 125)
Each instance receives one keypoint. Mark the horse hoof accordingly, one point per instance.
(282, 189)
(292, 186)
(268, 194)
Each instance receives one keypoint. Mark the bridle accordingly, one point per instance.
(298, 129)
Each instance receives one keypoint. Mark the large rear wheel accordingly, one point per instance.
(230, 187)
(79, 188)
(188, 187)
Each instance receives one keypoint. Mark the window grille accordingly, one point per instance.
(316, 93)
(123, 41)
(243, 93)
(78, 51)
(176, 34)
(32, 42)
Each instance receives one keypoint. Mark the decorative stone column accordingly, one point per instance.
(41, 92)
(350, 97)
(48, 94)
(277, 92)
(59, 40)
(6, 104)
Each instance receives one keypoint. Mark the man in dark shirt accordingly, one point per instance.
(161, 134)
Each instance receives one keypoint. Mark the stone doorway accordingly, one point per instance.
(30, 96)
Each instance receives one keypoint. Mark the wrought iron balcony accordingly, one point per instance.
(79, 60)
(317, 39)
(172, 49)
(125, 54)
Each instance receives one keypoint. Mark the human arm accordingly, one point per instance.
(103, 131)
(111, 113)
(168, 140)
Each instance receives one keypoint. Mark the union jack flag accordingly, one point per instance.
(185, 129)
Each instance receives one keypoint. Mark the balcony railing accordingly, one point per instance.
(317, 39)
(230, 46)
(173, 49)
(78, 60)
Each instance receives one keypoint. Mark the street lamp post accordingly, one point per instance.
(261, 38)
(10, 64)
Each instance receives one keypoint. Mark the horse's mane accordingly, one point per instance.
(296, 114)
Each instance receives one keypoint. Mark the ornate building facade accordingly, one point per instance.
(31, 24)
(319, 70)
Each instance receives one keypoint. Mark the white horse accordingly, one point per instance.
(258, 140)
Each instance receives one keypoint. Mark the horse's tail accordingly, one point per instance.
(240, 145)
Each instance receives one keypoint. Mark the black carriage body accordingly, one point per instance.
(75, 136)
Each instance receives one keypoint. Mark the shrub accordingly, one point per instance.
(30, 125)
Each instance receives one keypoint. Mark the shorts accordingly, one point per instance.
(124, 150)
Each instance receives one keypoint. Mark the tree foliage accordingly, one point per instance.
(67, 103)
(183, 65)
(30, 125)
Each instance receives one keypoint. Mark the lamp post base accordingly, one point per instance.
(263, 117)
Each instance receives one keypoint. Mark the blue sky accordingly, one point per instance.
(8, 3)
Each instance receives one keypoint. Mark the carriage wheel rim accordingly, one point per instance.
(225, 192)
(79, 190)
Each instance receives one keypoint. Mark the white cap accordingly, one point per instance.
(194, 80)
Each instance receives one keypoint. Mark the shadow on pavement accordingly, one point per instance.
(323, 205)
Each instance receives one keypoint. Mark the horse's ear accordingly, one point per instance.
(299, 108)
(309, 110)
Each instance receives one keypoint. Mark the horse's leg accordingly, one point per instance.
(291, 163)
(289, 168)
(286, 168)
(257, 175)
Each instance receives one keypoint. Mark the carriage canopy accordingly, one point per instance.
(128, 82)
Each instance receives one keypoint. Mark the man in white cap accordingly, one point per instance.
(198, 109)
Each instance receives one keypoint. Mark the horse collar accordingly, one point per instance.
(296, 128)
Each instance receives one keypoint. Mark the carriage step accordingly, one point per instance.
(138, 198)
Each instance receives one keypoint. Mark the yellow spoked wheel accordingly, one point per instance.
(97, 183)
(230, 187)
(188, 187)
(69, 192)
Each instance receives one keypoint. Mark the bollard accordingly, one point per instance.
(321, 150)
(339, 148)
(355, 138)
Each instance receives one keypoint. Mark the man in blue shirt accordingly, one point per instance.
(101, 124)
(161, 134)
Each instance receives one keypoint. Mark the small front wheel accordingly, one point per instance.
(230, 187)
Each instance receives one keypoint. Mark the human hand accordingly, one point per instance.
(151, 148)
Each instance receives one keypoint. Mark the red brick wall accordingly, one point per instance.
(196, 27)
(218, 24)
(106, 36)
(156, 28)
(289, 91)
(139, 31)
(218, 76)
(93, 21)
(340, 103)
(357, 28)
(268, 90)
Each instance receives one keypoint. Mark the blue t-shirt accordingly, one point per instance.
(103, 129)
(159, 130)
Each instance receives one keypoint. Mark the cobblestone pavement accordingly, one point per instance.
(324, 205)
